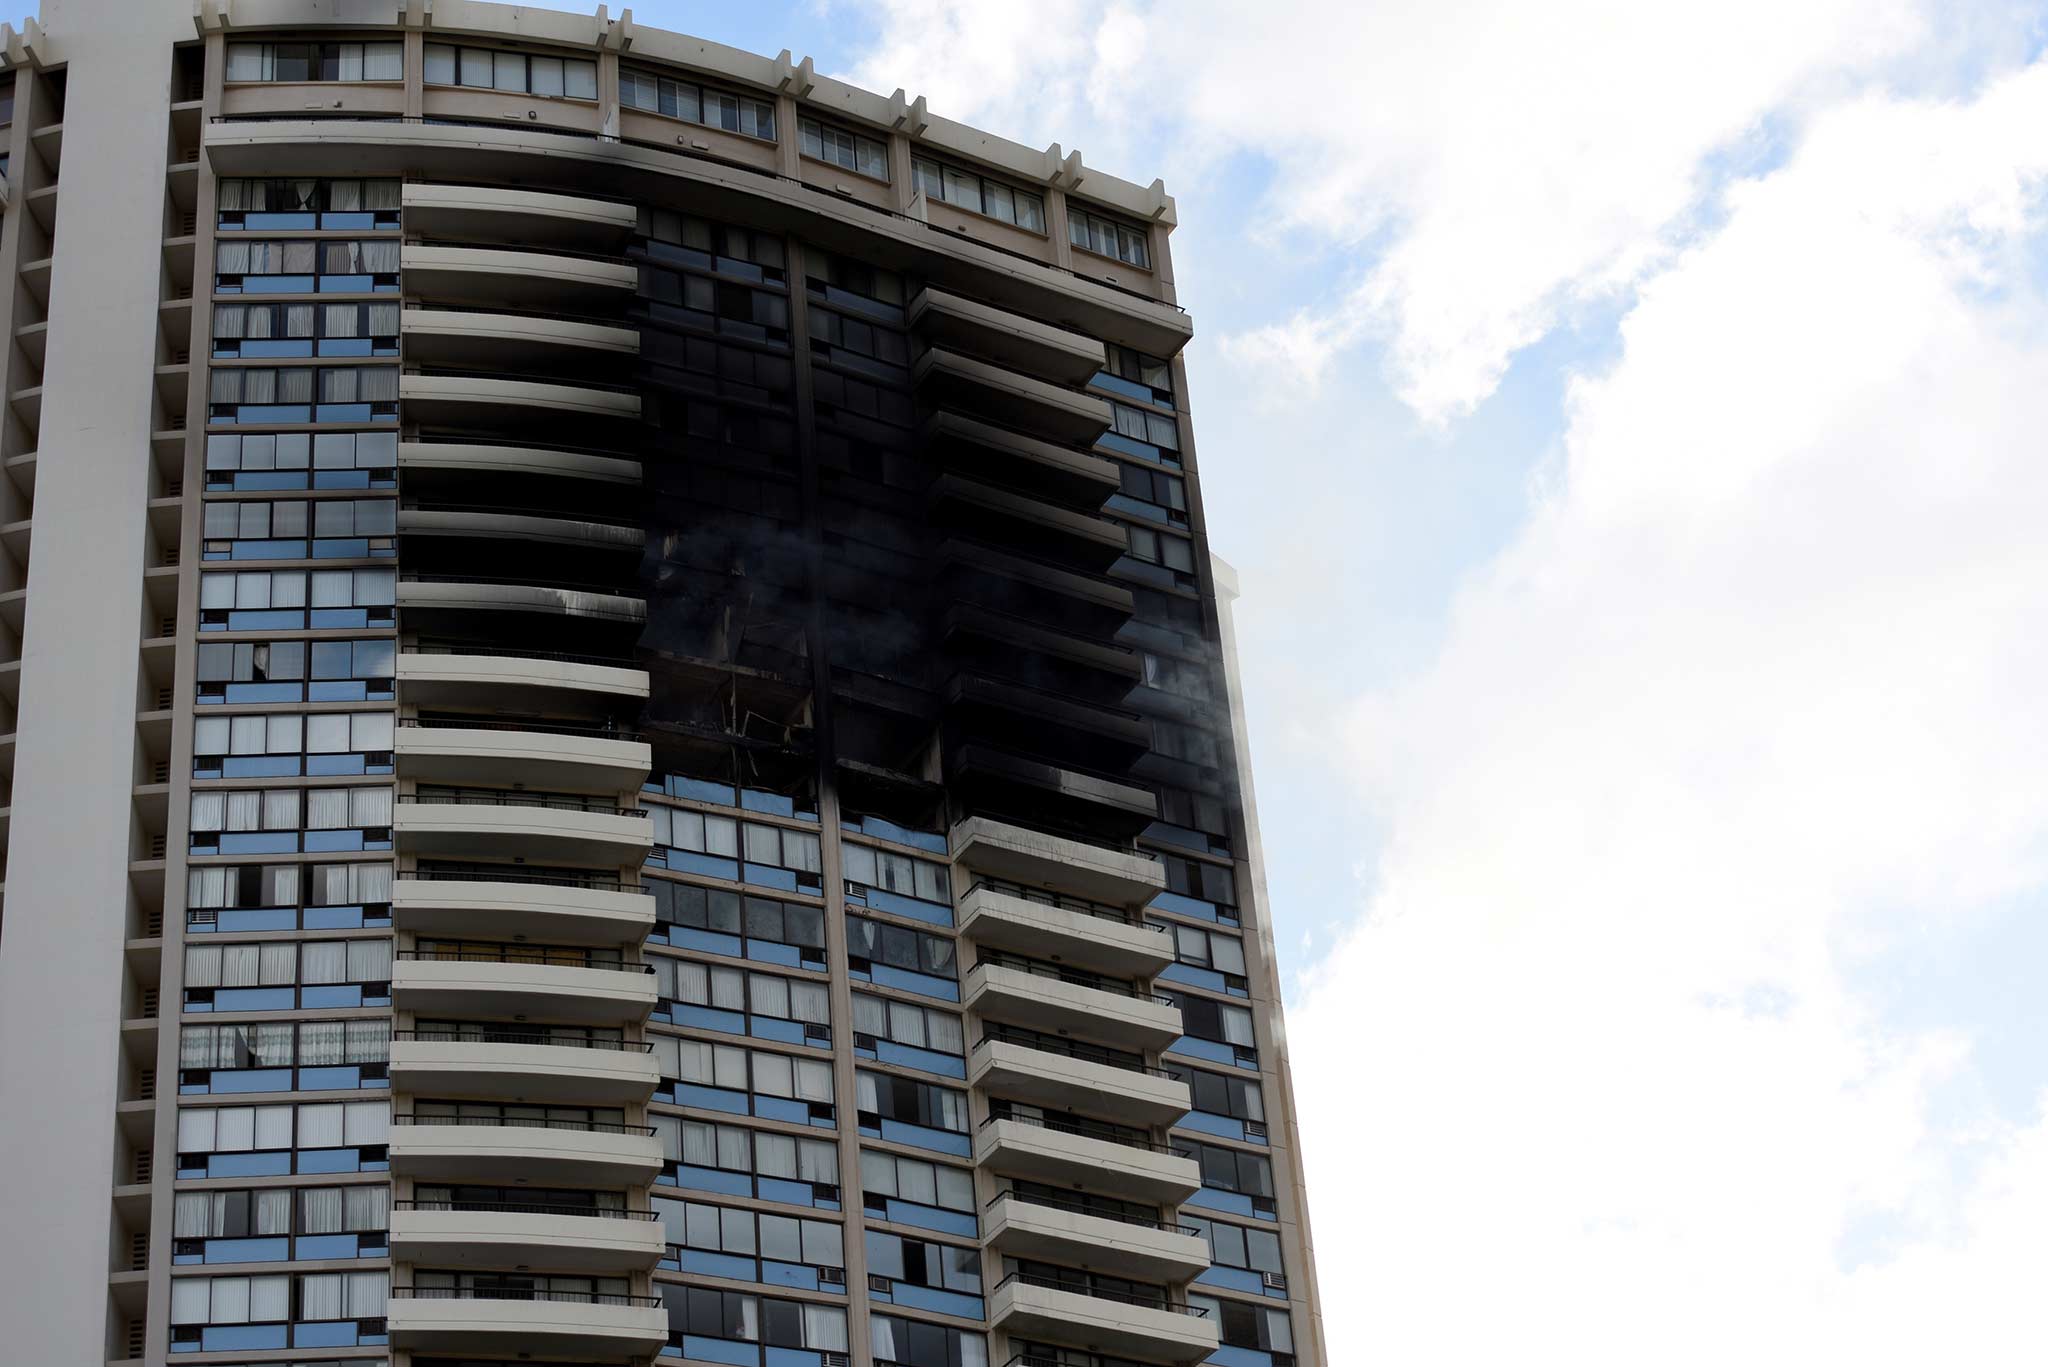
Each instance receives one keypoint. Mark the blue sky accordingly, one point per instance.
(1626, 420)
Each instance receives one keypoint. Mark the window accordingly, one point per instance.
(252, 896)
(303, 394)
(725, 1067)
(258, 529)
(267, 330)
(1246, 1326)
(1210, 949)
(722, 912)
(1158, 548)
(279, 671)
(843, 148)
(837, 338)
(733, 989)
(1253, 1250)
(306, 203)
(717, 247)
(916, 1181)
(1142, 424)
(1205, 1018)
(897, 873)
(1216, 1094)
(911, 1102)
(1207, 882)
(1248, 1174)
(1166, 493)
(870, 943)
(218, 814)
(696, 832)
(845, 282)
(270, 1211)
(978, 194)
(735, 1148)
(1154, 372)
(523, 73)
(700, 1312)
(383, 61)
(225, 977)
(913, 1343)
(253, 1129)
(779, 848)
(281, 1044)
(298, 460)
(256, 599)
(299, 265)
(904, 1023)
(696, 103)
(921, 1262)
(1107, 237)
(693, 1225)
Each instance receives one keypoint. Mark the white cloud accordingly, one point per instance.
(1755, 692)
(1513, 160)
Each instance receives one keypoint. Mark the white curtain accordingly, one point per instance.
(320, 1210)
(320, 1126)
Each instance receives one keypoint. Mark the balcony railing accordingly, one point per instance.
(518, 653)
(432, 1036)
(435, 796)
(592, 882)
(551, 956)
(551, 728)
(524, 1122)
(529, 581)
(1080, 1286)
(1084, 1129)
(1076, 1206)
(1100, 910)
(1072, 976)
(528, 1208)
(521, 1293)
(1053, 1044)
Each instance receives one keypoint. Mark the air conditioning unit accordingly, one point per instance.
(1254, 1129)
(886, 1286)
(831, 1276)
(1274, 1281)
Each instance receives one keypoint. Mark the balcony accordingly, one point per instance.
(947, 378)
(1085, 934)
(517, 678)
(464, 823)
(495, 278)
(1036, 348)
(549, 982)
(1083, 1154)
(1055, 863)
(542, 1152)
(456, 596)
(519, 341)
(488, 461)
(1033, 1307)
(1022, 462)
(1066, 1230)
(1043, 1070)
(561, 755)
(508, 1063)
(469, 1234)
(474, 213)
(506, 1325)
(557, 908)
(1016, 517)
(513, 406)
(1049, 998)
(530, 526)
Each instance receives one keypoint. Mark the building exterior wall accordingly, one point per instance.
(690, 524)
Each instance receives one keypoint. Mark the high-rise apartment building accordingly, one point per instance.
(619, 727)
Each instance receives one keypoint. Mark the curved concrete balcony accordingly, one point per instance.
(1042, 1076)
(457, 337)
(1019, 854)
(1039, 997)
(950, 320)
(1087, 935)
(461, 594)
(1021, 401)
(486, 1234)
(1061, 1154)
(504, 524)
(479, 987)
(1020, 461)
(511, 404)
(541, 907)
(1071, 1234)
(479, 214)
(500, 1064)
(599, 1328)
(493, 277)
(982, 510)
(488, 461)
(495, 1151)
(523, 682)
(1038, 1308)
(526, 827)
(559, 756)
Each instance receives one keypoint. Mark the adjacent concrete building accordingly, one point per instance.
(620, 740)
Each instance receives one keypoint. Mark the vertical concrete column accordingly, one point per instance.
(61, 960)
